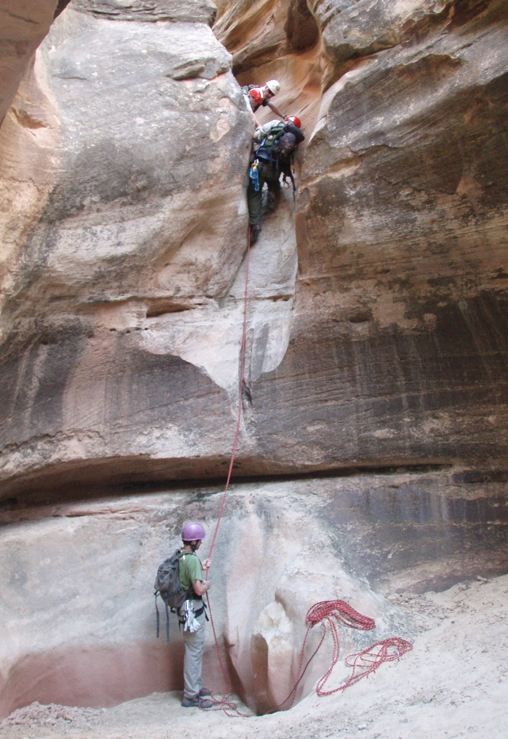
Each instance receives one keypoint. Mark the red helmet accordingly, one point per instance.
(295, 120)
(193, 532)
(256, 94)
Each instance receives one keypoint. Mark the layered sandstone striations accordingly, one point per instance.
(133, 230)
(132, 209)
(398, 345)
(382, 360)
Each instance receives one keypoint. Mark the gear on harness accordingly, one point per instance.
(188, 617)
(254, 174)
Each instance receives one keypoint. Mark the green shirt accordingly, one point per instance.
(190, 570)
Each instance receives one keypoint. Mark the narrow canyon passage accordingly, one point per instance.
(371, 463)
(90, 641)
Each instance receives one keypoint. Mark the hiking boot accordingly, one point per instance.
(254, 233)
(204, 691)
(197, 702)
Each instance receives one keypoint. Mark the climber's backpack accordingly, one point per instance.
(168, 586)
(280, 145)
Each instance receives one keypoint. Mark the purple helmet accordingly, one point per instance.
(193, 532)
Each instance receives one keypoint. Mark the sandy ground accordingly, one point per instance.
(453, 684)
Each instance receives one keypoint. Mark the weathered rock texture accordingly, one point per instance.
(77, 609)
(141, 183)
(124, 235)
(93, 638)
(398, 348)
(23, 26)
(133, 230)
(402, 246)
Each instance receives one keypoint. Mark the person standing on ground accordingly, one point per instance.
(192, 616)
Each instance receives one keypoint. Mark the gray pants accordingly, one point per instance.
(193, 660)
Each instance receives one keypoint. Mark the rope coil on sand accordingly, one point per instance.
(329, 613)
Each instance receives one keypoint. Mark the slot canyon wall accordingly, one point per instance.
(372, 452)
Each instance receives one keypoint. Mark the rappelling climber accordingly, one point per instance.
(192, 616)
(277, 145)
(260, 96)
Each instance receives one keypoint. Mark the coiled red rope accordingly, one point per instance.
(329, 613)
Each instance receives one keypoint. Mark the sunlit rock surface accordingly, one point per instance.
(137, 211)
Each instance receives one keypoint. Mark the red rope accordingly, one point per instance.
(363, 663)
(240, 392)
(330, 613)
(225, 703)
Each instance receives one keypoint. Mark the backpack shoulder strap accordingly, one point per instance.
(272, 136)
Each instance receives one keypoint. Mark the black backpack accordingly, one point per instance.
(168, 586)
(280, 145)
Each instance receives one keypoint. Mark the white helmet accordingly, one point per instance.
(273, 86)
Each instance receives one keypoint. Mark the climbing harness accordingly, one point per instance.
(330, 613)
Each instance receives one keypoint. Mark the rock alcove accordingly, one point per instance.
(372, 455)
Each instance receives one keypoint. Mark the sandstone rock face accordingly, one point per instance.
(143, 181)
(398, 345)
(376, 342)
(23, 26)
(134, 232)
(77, 606)
(180, 11)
